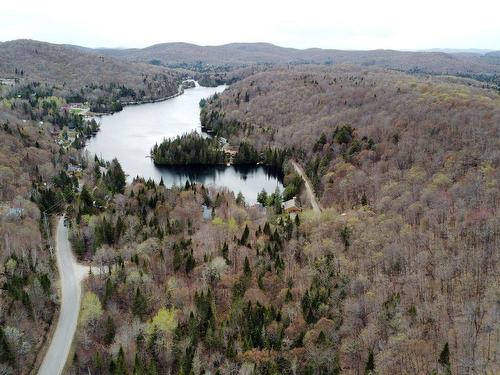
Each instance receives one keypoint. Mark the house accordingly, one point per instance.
(230, 152)
(291, 206)
(15, 213)
(207, 212)
(74, 170)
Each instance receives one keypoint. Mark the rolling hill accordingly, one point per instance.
(74, 67)
(171, 54)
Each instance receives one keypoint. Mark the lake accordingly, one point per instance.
(128, 135)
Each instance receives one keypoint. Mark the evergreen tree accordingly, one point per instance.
(109, 331)
(345, 236)
(138, 367)
(6, 354)
(244, 236)
(121, 366)
(370, 364)
(190, 262)
(139, 305)
(247, 271)
(115, 178)
(444, 359)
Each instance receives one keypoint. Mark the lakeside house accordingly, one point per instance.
(291, 206)
(230, 152)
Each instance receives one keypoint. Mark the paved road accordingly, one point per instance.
(310, 192)
(71, 274)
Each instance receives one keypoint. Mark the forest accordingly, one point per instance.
(34, 186)
(197, 149)
(188, 149)
(398, 273)
(415, 194)
(81, 75)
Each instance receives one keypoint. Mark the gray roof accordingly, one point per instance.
(291, 203)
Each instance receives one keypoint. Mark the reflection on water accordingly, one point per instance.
(129, 135)
(249, 180)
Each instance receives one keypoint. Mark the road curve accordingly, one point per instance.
(71, 274)
(309, 190)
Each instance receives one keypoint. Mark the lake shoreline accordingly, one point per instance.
(128, 135)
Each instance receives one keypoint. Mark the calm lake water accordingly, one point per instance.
(129, 135)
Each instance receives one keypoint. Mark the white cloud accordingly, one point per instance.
(308, 23)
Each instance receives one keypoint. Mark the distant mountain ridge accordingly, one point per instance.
(171, 54)
(77, 66)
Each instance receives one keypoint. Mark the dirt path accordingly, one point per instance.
(71, 275)
(310, 192)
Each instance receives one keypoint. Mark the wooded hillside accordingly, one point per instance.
(83, 74)
(413, 163)
(172, 54)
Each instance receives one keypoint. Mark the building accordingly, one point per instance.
(75, 170)
(15, 213)
(230, 152)
(291, 206)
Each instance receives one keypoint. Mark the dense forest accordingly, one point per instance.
(188, 149)
(398, 273)
(418, 193)
(197, 149)
(33, 186)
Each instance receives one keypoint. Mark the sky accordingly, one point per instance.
(347, 24)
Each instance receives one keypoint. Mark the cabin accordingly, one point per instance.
(291, 206)
(230, 152)
(75, 170)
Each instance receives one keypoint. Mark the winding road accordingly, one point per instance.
(309, 190)
(71, 275)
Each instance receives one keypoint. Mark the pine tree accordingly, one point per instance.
(345, 235)
(108, 291)
(444, 359)
(6, 354)
(247, 271)
(139, 305)
(109, 331)
(190, 262)
(370, 364)
(138, 367)
(121, 366)
(244, 236)
(364, 200)
(267, 229)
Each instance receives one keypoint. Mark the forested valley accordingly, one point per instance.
(408, 167)
(398, 273)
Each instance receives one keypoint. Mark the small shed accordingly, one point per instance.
(291, 206)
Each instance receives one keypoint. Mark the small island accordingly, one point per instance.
(188, 149)
(188, 84)
(196, 149)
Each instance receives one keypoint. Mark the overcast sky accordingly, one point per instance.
(347, 24)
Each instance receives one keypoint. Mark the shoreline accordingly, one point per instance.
(138, 102)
